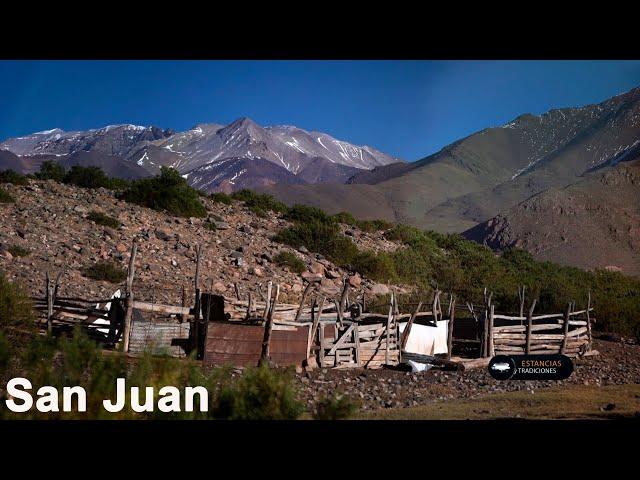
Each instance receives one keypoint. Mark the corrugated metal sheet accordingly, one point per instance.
(158, 338)
(241, 345)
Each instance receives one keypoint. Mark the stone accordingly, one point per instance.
(121, 248)
(332, 274)
(162, 235)
(380, 289)
(296, 288)
(219, 287)
(257, 271)
(239, 262)
(80, 209)
(221, 225)
(355, 280)
(311, 277)
(235, 254)
(310, 364)
(303, 249)
(316, 268)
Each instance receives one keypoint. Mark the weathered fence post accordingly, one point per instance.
(265, 357)
(49, 298)
(196, 317)
(304, 296)
(522, 298)
(565, 329)
(129, 313)
(527, 349)
(316, 324)
(452, 315)
(589, 320)
(407, 328)
(388, 329)
(490, 332)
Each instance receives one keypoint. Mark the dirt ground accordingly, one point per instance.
(613, 377)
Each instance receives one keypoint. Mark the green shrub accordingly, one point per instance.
(288, 259)
(92, 177)
(10, 176)
(380, 267)
(5, 353)
(259, 203)
(346, 218)
(260, 393)
(18, 251)
(306, 214)
(107, 271)
(320, 237)
(103, 219)
(6, 197)
(51, 170)
(210, 226)
(167, 191)
(15, 307)
(373, 225)
(339, 407)
(220, 197)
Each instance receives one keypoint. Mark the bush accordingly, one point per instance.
(51, 170)
(18, 251)
(103, 219)
(260, 393)
(373, 225)
(167, 191)
(288, 259)
(210, 226)
(15, 307)
(6, 197)
(306, 214)
(339, 407)
(107, 271)
(346, 218)
(92, 177)
(220, 197)
(10, 176)
(259, 203)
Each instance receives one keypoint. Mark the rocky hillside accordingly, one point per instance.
(214, 157)
(594, 223)
(49, 220)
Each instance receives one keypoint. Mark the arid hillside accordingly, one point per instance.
(49, 220)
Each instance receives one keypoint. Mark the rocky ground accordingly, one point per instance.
(618, 363)
(50, 220)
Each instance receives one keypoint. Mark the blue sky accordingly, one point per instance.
(406, 108)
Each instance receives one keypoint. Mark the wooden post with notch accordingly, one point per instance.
(407, 328)
(316, 324)
(388, 329)
(129, 302)
(527, 348)
(265, 357)
(490, 346)
(589, 336)
(452, 315)
(565, 328)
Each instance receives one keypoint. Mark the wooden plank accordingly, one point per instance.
(129, 312)
(490, 331)
(452, 314)
(565, 329)
(529, 324)
(342, 340)
(407, 328)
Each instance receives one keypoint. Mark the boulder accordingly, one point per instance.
(316, 268)
(162, 235)
(355, 280)
(380, 289)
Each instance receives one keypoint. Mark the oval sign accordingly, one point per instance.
(530, 367)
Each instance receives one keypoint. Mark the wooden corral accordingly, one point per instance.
(331, 333)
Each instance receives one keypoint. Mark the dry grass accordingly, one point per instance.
(568, 402)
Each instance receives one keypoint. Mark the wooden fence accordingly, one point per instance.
(336, 333)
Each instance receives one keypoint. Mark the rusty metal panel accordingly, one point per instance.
(158, 338)
(241, 345)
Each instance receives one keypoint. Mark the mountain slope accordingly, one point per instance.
(594, 223)
(474, 178)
